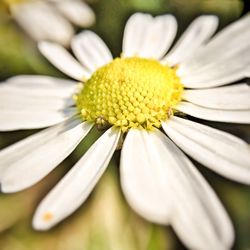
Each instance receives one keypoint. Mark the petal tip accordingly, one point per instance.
(42, 221)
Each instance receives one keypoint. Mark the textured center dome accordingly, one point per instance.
(130, 93)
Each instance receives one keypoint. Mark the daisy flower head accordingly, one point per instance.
(140, 98)
(51, 19)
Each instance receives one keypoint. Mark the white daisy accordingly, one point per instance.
(51, 19)
(134, 97)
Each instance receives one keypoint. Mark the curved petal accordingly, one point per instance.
(76, 11)
(227, 43)
(196, 35)
(197, 215)
(158, 37)
(42, 22)
(90, 50)
(63, 60)
(234, 97)
(134, 33)
(28, 161)
(220, 73)
(29, 102)
(16, 98)
(150, 37)
(217, 150)
(231, 116)
(143, 180)
(46, 85)
(76, 186)
(14, 119)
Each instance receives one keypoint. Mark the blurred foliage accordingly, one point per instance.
(105, 221)
(18, 54)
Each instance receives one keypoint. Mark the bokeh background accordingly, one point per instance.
(105, 221)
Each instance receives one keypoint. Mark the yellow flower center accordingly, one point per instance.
(130, 93)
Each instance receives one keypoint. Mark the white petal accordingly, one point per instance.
(220, 73)
(230, 97)
(247, 72)
(35, 102)
(231, 56)
(90, 50)
(26, 162)
(16, 98)
(198, 216)
(196, 35)
(75, 187)
(196, 213)
(158, 37)
(231, 116)
(217, 150)
(77, 12)
(62, 59)
(46, 85)
(134, 34)
(28, 119)
(227, 44)
(143, 180)
(42, 22)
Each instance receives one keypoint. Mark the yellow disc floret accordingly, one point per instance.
(130, 93)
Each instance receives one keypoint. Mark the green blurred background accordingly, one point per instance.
(105, 221)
